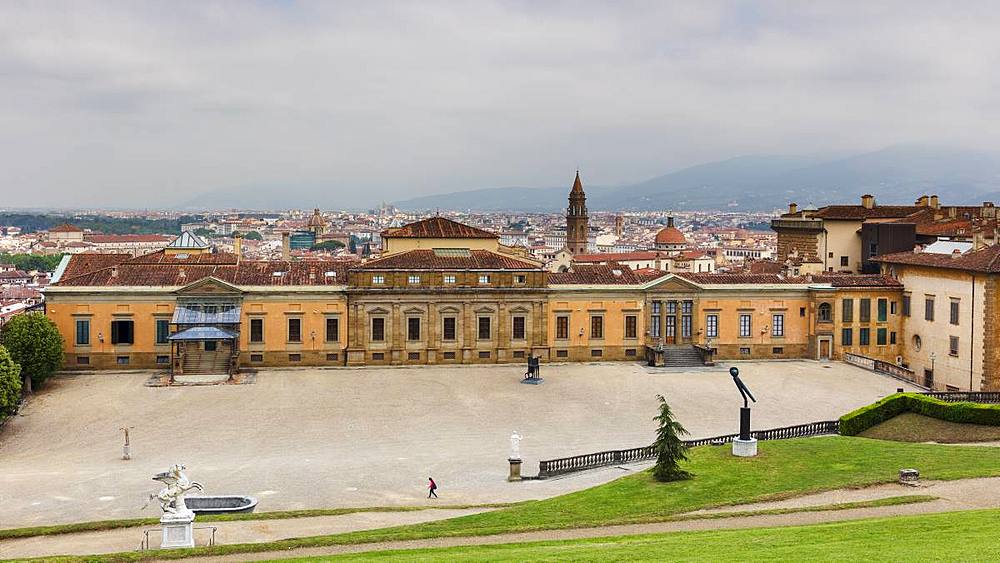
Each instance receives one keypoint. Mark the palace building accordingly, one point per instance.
(447, 293)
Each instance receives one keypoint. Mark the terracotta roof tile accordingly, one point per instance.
(598, 274)
(437, 227)
(860, 212)
(986, 260)
(444, 260)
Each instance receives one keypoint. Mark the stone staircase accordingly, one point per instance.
(205, 363)
(681, 357)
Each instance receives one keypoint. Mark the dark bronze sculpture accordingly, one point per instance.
(745, 409)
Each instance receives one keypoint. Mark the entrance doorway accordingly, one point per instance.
(825, 348)
(671, 332)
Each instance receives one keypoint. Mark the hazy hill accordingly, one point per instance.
(895, 175)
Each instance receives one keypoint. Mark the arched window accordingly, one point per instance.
(825, 313)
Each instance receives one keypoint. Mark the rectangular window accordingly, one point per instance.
(295, 357)
(256, 357)
(122, 332)
(520, 279)
(484, 355)
(562, 328)
(597, 326)
(864, 335)
(745, 325)
(686, 326)
(865, 314)
(906, 305)
(881, 336)
(671, 328)
(777, 350)
(162, 331)
(449, 328)
(378, 356)
(929, 309)
(82, 332)
(777, 325)
(882, 310)
(519, 353)
(630, 352)
(687, 307)
(332, 329)
(413, 328)
(745, 351)
(630, 326)
(484, 328)
(163, 360)
(484, 279)
(892, 307)
(211, 346)
(413, 280)
(596, 353)
(413, 356)
(844, 261)
(295, 330)
(847, 312)
(712, 326)
(378, 330)
(449, 355)
(378, 279)
(562, 353)
(656, 307)
(517, 331)
(332, 357)
(892, 337)
(847, 337)
(654, 325)
(449, 279)
(256, 330)
(83, 360)
(122, 360)
(953, 311)
(953, 345)
(671, 307)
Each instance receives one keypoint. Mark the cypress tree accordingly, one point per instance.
(670, 449)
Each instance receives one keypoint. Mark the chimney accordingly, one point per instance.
(978, 241)
(237, 245)
(793, 208)
(286, 245)
(934, 201)
(921, 201)
(956, 253)
(988, 210)
(868, 201)
(952, 212)
(114, 272)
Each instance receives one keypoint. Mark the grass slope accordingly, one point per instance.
(912, 427)
(950, 536)
(784, 468)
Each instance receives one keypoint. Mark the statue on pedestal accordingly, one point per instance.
(177, 519)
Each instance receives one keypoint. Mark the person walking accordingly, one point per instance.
(431, 488)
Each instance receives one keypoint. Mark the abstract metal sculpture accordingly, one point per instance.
(745, 409)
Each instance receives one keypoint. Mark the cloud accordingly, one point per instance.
(129, 104)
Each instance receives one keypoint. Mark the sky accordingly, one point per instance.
(149, 104)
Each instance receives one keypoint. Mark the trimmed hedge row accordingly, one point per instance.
(856, 422)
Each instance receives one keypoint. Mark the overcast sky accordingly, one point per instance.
(147, 103)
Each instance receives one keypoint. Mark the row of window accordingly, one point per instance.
(745, 325)
(596, 327)
(122, 331)
(883, 308)
(954, 306)
(882, 337)
(448, 279)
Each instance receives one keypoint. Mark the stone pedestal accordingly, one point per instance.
(178, 530)
(515, 469)
(745, 448)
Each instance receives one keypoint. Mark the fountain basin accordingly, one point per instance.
(224, 504)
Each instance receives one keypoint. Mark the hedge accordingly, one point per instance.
(856, 422)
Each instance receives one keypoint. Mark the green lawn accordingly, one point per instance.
(784, 468)
(912, 427)
(951, 536)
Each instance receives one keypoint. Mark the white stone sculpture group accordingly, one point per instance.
(171, 497)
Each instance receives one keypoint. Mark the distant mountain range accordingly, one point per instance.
(896, 174)
(752, 183)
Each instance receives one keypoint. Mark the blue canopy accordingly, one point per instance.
(191, 314)
(203, 333)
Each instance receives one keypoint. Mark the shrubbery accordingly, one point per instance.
(34, 342)
(856, 422)
(10, 384)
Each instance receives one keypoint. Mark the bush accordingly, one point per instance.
(10, 384)
(34, 342)
(856, 422)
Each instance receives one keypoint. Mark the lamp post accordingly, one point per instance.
(932, 356)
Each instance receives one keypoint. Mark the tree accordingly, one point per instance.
(10, 384)
(34, 342)
(253, 235)
(328, 245)
(670, 449)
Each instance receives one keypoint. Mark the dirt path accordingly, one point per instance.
(247, 531)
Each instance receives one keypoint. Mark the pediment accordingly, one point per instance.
(449, 309)
(414, 311)
(674, 283)
(485, 310)
(378, 311)
(520, 309)
(209, 286)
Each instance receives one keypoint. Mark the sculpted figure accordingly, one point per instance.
(171, 497)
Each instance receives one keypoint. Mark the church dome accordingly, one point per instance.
(670, 234)
(317, 219)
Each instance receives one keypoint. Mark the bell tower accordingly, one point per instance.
(576, 219)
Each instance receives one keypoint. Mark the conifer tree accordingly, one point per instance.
(670, 449)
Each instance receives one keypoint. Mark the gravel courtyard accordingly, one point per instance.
(311, 438)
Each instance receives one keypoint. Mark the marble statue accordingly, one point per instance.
(171, 497)
(515, 445)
